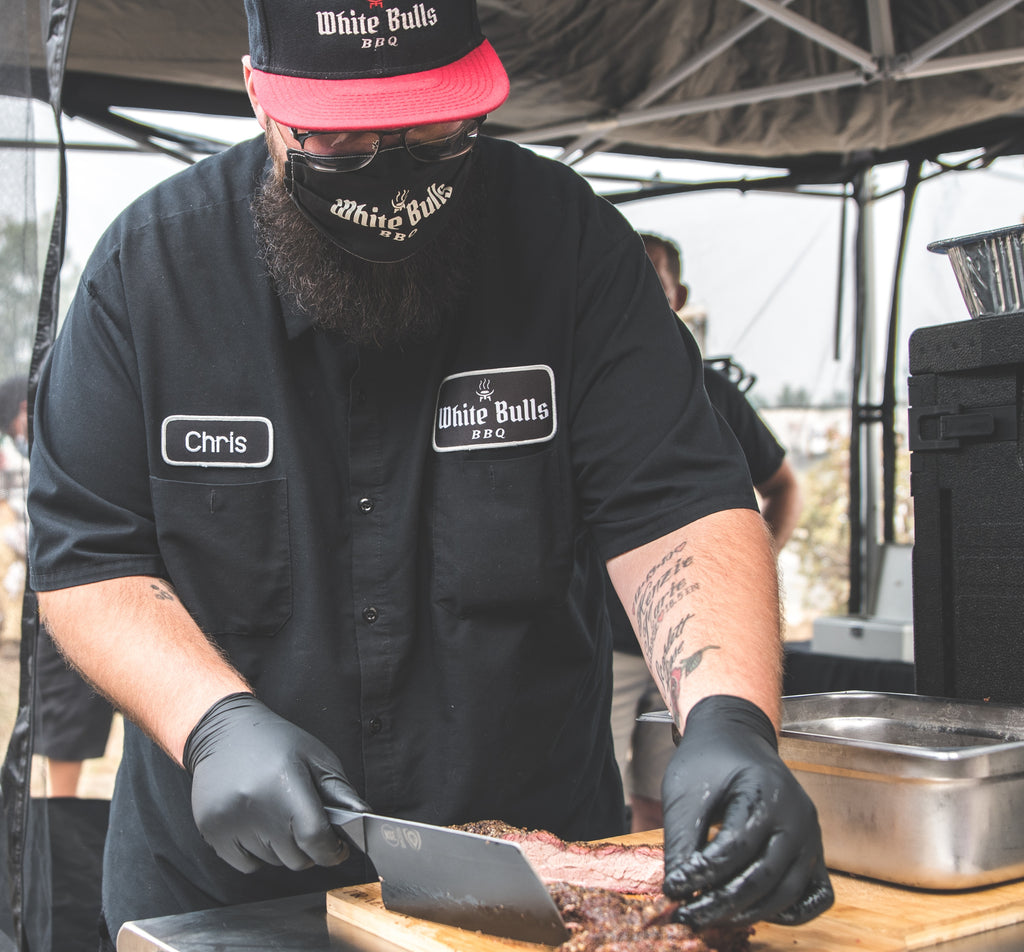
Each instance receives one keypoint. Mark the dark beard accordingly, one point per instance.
(368, 303)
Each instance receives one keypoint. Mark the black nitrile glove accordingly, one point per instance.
(766, 861)
(259, 785)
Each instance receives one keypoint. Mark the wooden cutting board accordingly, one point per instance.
(867, 917)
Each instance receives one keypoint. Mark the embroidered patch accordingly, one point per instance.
(217, 441)
(504, 406)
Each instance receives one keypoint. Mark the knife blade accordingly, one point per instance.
(459, 879)
(657, 717)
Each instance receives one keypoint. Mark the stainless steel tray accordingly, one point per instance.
(920, 791)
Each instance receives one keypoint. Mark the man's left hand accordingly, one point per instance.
(766, 861)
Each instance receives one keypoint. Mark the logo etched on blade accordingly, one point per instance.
(399, 837)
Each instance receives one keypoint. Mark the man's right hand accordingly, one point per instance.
(259, 785)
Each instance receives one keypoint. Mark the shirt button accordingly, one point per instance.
(370, 615)
(374, 725)
(366, 504)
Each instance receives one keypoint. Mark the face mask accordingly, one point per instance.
(384, 212)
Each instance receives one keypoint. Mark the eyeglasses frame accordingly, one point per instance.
(331, 163)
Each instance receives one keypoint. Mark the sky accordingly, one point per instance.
(762, 266)
(766, 267)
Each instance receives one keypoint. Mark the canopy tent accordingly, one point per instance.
(817, 86)
(822, 89)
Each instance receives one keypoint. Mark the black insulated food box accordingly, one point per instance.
(967, 482)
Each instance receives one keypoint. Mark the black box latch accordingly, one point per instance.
(943, 428)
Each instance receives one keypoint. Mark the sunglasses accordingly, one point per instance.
(348, 150)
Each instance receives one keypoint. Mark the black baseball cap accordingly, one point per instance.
(374, 64)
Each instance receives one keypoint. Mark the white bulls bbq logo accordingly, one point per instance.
(406, 212)
(507, 406)
(376, 31)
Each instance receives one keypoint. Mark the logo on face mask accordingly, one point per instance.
(383, 212)
(406, 214)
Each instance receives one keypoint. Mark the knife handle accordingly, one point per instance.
(350, 824)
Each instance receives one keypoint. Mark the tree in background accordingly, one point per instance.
(793, 397)
(19, 294)
(822, 540)
(21, 267)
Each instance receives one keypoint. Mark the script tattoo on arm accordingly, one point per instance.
(663, 588)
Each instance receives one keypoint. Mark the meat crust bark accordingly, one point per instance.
(600, 920)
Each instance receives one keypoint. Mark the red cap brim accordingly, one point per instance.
(474, 85)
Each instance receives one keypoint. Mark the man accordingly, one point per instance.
(645, 750)
(330, 453)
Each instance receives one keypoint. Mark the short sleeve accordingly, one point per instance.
(89, 503)
(650, 453)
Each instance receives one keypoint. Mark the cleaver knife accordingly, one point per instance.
(458, 879)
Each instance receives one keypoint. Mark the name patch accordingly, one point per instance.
(504, 406)
(217, 441)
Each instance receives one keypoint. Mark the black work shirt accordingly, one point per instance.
(391, 573)
(761, 450)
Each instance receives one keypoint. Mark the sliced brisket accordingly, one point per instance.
(635, 869)
(600, 920)
(609, 895)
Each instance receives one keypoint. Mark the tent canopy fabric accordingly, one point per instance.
(816, 86)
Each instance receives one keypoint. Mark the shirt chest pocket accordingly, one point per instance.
(502, 536)
(227, 552)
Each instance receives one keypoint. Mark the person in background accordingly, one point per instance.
(72, 722)
(14, 465)
(644, 750)
(14, 411)
(773, 477)
(13, 484)
(342, 432)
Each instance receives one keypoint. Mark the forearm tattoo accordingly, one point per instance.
(664, 587)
